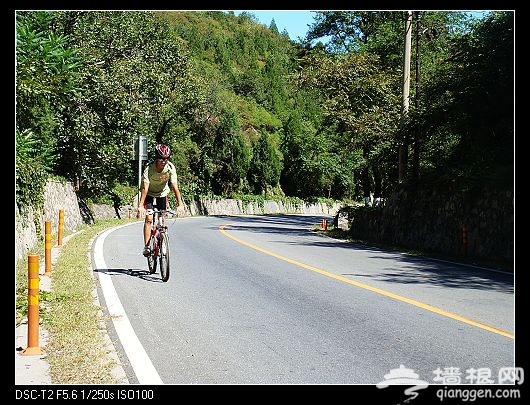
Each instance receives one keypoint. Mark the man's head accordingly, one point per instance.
(162, 152)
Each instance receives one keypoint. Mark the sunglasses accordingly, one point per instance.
(162, 160)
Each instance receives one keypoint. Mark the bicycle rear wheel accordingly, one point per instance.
(164, 256)
(151, 259)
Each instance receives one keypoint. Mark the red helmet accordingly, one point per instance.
(162, 151)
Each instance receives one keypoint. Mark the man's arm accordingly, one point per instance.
(145, 186)
(173, 185)
(141, 201)
(143, 193)
(176, 191)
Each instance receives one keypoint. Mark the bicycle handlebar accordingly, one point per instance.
(153, 210)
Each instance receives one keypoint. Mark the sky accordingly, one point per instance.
(294, 21)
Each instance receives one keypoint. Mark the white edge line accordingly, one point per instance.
(140, 361)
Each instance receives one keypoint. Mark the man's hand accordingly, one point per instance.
(141, 211)
(180, 210)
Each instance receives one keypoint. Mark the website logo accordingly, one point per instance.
(404, 376)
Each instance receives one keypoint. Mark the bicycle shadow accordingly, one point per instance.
(138, 273)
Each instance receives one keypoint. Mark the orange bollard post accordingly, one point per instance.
(324, 224)
(60, 230)
(33, 307)
(47, 248)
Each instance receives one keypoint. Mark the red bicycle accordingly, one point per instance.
(159, 243)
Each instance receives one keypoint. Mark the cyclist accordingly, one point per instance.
(159, 177)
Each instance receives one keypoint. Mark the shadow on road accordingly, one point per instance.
(138, 273)
(414, 269)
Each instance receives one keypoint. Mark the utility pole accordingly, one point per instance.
(141, 155)
(416, 144)
(403, 147)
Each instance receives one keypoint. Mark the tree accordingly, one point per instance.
(378, 36)
(265, 166)
(273, 27)
(47, 83)
(137, 81)
(232, 161)
(467, 121)
(360, 101)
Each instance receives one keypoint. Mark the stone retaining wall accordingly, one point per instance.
(227, 206)
(475, 225)
(423, 220)
(59, 196)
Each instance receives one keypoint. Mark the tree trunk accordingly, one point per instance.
(366, 186)
(377, 186)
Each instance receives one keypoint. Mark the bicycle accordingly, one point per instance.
(159, 243)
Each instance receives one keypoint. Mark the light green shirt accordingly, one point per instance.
(158, 182)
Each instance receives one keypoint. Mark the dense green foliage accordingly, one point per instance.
(46, 81)
(248, 111)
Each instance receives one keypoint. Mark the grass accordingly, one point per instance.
(77, 349)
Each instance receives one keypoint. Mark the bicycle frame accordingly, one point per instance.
(158, 226)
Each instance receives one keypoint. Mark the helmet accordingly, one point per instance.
(162, 151)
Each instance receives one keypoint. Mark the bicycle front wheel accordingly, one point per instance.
(151, 259)
(164, 256)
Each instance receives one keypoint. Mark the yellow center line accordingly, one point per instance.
(370, 288)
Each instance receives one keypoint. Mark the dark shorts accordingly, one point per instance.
(159, 202)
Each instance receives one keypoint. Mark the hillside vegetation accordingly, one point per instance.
(248, 111)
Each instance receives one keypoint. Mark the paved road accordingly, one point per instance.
(264, 300)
